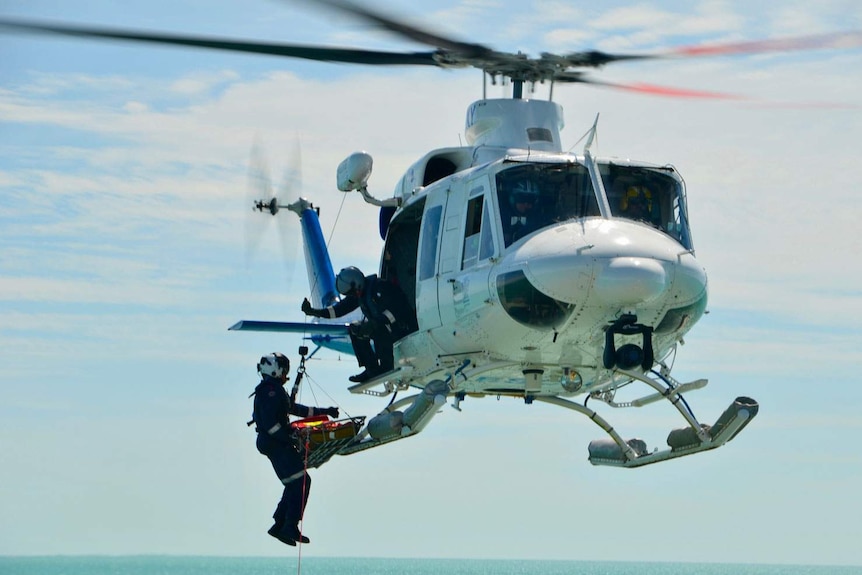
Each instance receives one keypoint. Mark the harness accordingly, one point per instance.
(367, 299)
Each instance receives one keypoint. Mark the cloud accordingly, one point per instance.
(201, 83)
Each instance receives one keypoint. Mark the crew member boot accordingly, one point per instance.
(277, 532)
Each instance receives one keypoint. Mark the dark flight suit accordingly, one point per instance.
(276, 440)
(388, 318)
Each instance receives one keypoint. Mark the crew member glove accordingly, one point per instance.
(308, 310)
(331, 412)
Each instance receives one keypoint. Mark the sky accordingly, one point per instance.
(123, 205)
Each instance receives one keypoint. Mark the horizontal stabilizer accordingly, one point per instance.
(290, 327)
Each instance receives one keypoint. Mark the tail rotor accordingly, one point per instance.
(262, 198)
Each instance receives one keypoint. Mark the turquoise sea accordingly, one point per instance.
(171, 565)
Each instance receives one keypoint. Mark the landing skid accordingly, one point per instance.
(694, 438)
(392, 424)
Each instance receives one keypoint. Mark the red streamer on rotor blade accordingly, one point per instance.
(669, 92)
(838, 40)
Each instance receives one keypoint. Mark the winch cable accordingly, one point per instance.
(332, 400)
(300, 375)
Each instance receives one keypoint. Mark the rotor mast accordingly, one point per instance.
(517, 89)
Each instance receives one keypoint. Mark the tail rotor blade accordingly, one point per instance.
(263, 205)
(288, 223)
(258, 192)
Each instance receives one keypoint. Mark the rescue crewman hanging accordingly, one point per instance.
(277, 441)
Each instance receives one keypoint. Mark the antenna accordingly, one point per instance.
(591, 136)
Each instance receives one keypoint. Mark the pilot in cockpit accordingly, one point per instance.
(637, 204)
(524, 216)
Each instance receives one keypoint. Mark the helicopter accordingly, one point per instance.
(593, 299)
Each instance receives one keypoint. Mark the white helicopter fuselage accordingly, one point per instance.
(530, 315)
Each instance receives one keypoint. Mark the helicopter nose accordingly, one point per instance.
(630, 280)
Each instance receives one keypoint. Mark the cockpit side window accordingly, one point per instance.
(533, 196)
(654, 196)
(472, 232)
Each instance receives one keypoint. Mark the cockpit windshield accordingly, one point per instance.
(533, 196)
(655, 196)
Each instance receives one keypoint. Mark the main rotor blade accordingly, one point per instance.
(464, 49)
(654, 89)
(596, 58)
(834, 40)
(347, 55)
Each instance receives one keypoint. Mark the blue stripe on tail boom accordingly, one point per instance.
(321, 277)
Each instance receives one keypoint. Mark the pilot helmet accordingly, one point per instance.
(638, 195)
(348, 280)
(274, 365)
(525, 192)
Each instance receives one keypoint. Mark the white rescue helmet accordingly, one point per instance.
(274, 365)
(349, 279)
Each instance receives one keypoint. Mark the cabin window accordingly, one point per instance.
(437, 168)
(534, 196)
(472, 232)
(654, 196)
(486, 243)
(478, 237)
(539, 135)
(430, 238)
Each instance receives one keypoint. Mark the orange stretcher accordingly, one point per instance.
(321, 439)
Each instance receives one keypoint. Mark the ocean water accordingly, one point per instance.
(171, 565)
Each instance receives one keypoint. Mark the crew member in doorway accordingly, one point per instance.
(388, 318)
(276, 440)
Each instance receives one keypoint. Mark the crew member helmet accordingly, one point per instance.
(524, 192)
(274, 365)
(348, 280)
(637, 195)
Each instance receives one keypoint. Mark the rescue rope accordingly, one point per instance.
(300, 375)
(302, 518)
